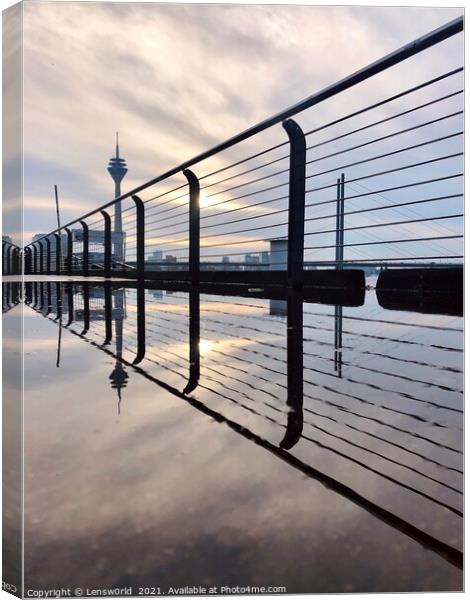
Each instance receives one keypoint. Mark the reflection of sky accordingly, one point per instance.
(12, 436)
(163, 492)
(183, 88)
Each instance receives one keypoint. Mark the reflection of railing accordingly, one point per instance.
(11, 295)
(285, 212)
(230, 377)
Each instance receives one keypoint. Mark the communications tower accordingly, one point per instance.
(117, 168)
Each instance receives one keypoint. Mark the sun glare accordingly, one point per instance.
(205, 346)
(204, 201)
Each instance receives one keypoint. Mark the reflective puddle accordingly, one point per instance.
(179, 438)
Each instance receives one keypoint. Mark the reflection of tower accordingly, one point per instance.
(117, 169)
(119, 375)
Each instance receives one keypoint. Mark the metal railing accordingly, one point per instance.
(11, 258)
(378, 187)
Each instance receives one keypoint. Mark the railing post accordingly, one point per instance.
(35, 294)
(58, 297)
(338, 221)
(194, 341)
(194, 226)
(341, 222)
(49, 297)
(22, 261)
(10, 294)
(141, 347)
(59, 318)
(86, 308)
(48, 256)
(85, 253)
(41, 295)
(35, 258)
(18, 261)
(41, 257)
(295, 370)
(9, 251)
(28, 290)
(140, 234)
(5, 247)
(107, 244)
(69, 251)
(58, 252)
(70, 304)
(27, 260)
(108, 314)
(296, 228)
(338, 362)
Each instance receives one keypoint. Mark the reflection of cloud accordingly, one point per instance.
(12, 344)
(31, 344)
(225, 344)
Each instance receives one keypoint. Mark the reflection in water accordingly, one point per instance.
(119, 375)
(338, 339)
(295, 370)
(374, 415)
(11, 295)
(195, 345)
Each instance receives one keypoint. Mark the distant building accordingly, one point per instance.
(63, 241)
(278, 254)
(155, 256)
(252, 259)
(170, 259)
(277, 262)
(369, 270)
(7, 238)
(227, 265)
(37, 236)
(265, 258)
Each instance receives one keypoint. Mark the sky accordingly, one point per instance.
(177, 79)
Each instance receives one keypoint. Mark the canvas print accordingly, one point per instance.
(232, 299)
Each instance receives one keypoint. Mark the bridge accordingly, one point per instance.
(306, 197)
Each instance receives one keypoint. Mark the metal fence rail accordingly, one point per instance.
(11, 258)
(378, 186)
